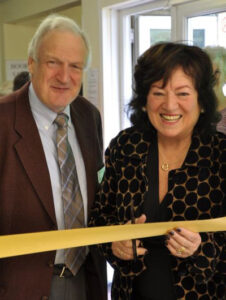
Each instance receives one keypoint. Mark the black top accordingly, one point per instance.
(196, 191)
(155, 283)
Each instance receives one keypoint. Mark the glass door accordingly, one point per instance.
(209, 32)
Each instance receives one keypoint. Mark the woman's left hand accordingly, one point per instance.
(182, 242)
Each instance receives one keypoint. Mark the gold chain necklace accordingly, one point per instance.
(165, 166)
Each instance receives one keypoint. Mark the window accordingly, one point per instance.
(151, 30)
(208, 31)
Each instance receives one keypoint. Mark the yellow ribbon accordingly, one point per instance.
(27, 243)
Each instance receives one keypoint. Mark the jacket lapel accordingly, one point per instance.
(30, 152)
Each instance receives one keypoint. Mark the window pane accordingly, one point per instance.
(209, 32)
(211, 28)
(153, 29)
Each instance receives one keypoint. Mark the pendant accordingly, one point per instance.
(165, 167)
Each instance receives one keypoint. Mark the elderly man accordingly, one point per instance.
(50, 154)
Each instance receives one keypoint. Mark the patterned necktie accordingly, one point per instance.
(71, 194)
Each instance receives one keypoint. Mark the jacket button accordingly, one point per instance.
(45, 297)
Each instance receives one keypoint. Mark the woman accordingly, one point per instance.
(169, 166)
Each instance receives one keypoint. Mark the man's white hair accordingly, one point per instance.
(56, 22)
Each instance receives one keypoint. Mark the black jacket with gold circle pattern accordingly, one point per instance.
(195, 191)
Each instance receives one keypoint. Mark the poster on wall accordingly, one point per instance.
(92, 86)
(13, 67)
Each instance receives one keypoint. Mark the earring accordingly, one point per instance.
(144, 109)
(202, 111)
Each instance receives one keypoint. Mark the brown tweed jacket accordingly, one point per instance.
(26, 201)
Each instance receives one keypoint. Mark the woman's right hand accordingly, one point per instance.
(124, 249)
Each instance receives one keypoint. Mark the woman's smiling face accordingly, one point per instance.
(174, 109)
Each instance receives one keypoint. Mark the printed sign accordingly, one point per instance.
(13, 67)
